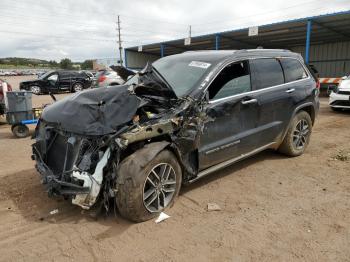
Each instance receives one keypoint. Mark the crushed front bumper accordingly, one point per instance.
(339, 100)
(63, 176)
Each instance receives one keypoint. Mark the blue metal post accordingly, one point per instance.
(162, 50)
(307, 47)
(125, 59)
(217, 42)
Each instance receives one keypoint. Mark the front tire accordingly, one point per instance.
(150, 191)
(35, 90)
(298, 135)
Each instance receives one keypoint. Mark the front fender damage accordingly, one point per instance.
(92, 181)
(134, 163)
(86, 171)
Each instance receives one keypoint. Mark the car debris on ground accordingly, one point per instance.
(213, 207)
(162, 216)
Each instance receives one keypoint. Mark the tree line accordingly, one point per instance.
(65, 63)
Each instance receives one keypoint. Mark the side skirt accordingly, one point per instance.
(230, 162)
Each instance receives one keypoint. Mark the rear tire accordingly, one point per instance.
(20, 130)
(298, 135)
(77, 87)
(135, 192)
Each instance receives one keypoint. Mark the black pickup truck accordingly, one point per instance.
(58, 81)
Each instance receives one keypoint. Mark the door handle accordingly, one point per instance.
(290, 90)
(250, 101)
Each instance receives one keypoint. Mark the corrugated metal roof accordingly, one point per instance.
(326, 28)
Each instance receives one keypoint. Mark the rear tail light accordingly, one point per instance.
(101, 78)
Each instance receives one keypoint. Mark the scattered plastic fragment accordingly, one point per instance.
(162, 217)
(213, 207)
(53, 212)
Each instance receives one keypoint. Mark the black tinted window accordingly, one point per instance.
(232, 80)
(64, 74)
(267, 72)
(293, 70)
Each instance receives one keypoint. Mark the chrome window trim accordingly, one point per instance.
(259, 90)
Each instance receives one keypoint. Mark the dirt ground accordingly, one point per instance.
(274, 208)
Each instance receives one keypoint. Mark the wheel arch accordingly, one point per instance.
(308, 108)
(149, 151)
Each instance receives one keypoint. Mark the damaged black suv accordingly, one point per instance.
(181, 118)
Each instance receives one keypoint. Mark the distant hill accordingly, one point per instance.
(30, 62)
(20, 62)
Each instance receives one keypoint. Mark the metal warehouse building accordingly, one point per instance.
(324, 41)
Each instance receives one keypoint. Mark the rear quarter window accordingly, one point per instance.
(293, 70)
(266, 72)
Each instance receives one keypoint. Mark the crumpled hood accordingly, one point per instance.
(93, 112)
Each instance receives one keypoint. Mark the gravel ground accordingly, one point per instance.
(273, 208)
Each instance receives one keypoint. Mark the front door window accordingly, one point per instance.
(53, 80)
(232, 80)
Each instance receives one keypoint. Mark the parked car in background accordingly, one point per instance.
(108, 78)
(58, 81)
(4, 87)
(179, 119)
(339, 98)
(115, 75)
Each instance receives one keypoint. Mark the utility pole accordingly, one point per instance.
(190, 32)
(119, 42)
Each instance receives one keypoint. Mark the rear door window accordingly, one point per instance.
(293, 70)
(267, 72)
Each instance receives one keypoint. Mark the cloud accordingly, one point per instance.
(82, 29)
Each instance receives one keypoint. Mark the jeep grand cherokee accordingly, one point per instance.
(181, 118)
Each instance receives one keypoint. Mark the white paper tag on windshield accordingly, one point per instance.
(199, 64)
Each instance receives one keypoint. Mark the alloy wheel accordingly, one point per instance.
(35, 90)
(78, 87)
(300, 134)
(159, 187)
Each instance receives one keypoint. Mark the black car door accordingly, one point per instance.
(232, 115)
(275, 103)
(52, 82)
(65, 80)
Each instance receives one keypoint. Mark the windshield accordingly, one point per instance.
(182, 73)
(45, 75)
(133, 80)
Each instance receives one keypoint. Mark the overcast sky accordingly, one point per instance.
(85, 29)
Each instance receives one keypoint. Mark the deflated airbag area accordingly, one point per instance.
(94, 112)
